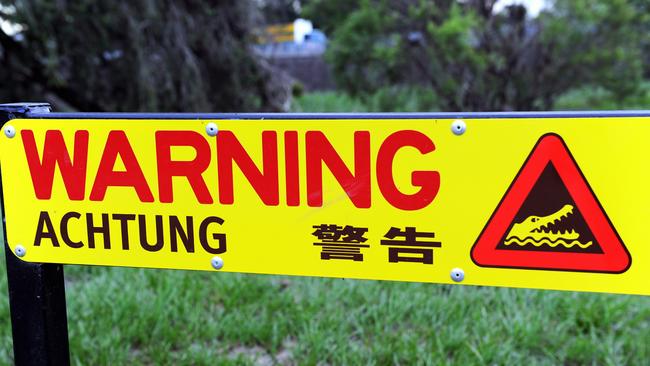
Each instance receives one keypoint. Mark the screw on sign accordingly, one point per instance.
(20, 250)
(216, 262)
(10, 131)
(457, 275)
(211, 129)
(458, 127)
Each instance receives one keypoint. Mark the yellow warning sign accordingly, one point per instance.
(554, 203)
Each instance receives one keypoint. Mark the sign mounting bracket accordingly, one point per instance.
(36, 291)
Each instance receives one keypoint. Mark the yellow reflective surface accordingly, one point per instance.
(475, 170)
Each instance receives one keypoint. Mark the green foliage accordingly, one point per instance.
(332, 102)
(472, 58)
(642, 8)
(406, 99)
(327, 15)
(372, 49)
(595, 98)
(363, 57)
(134, 56)
(594, 43)
(402, 99)
(390, 99)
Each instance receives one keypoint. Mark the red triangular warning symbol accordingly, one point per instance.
(550, 219)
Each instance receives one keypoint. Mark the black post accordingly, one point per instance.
(36, 291)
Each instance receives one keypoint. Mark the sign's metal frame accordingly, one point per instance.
(37, 292)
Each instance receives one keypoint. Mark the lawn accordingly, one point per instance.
(201, 318)
(136, 316)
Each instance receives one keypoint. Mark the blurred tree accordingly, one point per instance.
(595, 43)
(328, 15)
(476, 59)
(139, 55)
(279, 11)
(642, 25)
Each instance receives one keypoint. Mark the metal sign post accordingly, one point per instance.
(36, 292)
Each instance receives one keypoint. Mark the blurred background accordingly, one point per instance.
(329, 56)
(326, 55)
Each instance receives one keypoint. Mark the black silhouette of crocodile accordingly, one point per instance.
(535, 230)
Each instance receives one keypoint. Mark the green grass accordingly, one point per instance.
(137, 316)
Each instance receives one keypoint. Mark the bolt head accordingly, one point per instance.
(20, 251)
(457, 275)
(458, 127)
(216, 262)
(211, 129)
(10, 131)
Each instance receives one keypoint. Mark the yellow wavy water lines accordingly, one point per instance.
(552, 244)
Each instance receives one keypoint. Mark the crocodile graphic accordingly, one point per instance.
(538, 231)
